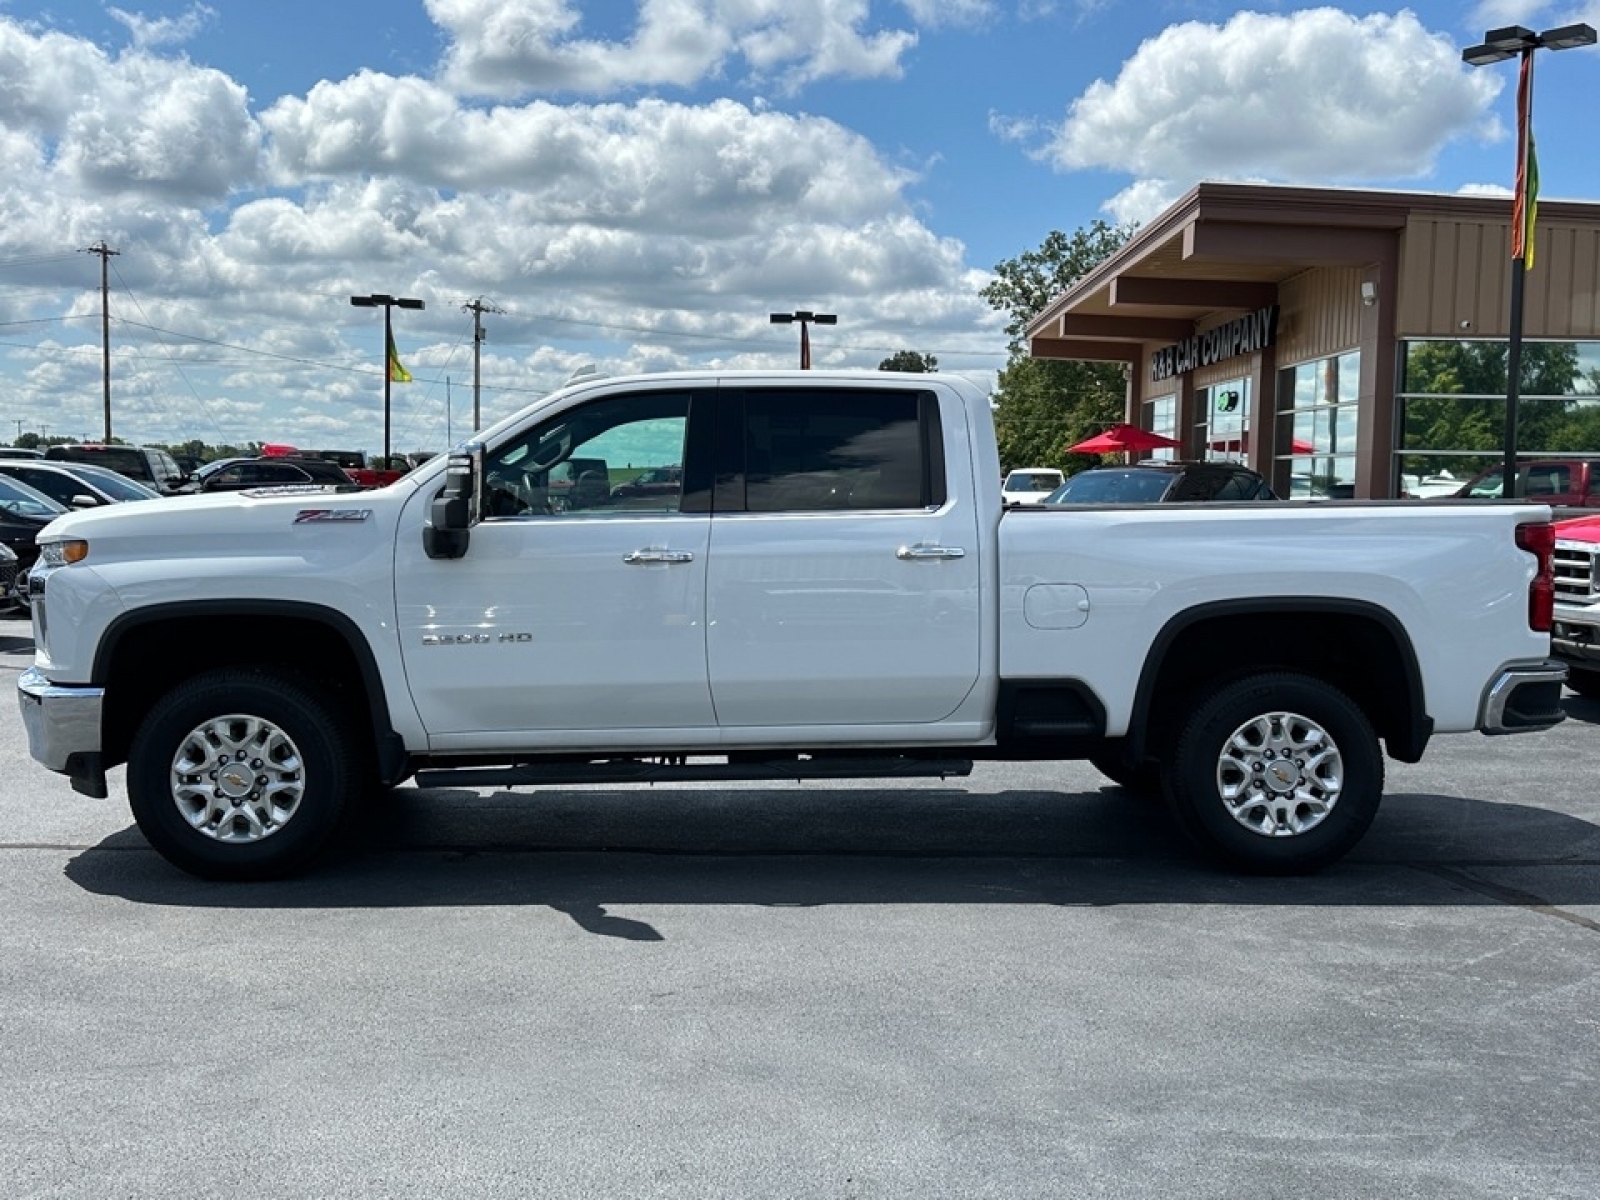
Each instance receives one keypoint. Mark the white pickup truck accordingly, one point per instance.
(786, 575)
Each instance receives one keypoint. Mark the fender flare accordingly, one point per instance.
(389, 746)
(1417, 725)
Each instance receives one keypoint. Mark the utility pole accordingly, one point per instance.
(105, 252)
(477, 308)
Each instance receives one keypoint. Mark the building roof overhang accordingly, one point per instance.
(1226, 247)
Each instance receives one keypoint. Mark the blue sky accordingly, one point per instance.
(637, 185)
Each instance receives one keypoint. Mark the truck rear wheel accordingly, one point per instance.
(1277, 773)
(241, 774)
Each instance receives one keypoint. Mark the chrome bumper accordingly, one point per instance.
(63, 724)
(1576, 641)
(1523, 697)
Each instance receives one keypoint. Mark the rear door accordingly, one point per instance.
(843, 588)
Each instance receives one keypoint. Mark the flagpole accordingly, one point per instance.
(387, 303)
(1514, 41)
(388, 377)
(1520, 230)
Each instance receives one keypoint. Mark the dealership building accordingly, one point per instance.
(1343, 342)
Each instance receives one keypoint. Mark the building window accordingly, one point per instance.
(1161, 416)
(1317, 428)
(1225, 420)
(1453, 408)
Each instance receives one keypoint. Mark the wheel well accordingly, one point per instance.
(149, 658)
(1357, 652)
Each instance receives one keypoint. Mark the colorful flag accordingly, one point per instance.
(397, 372)
(1525, 204)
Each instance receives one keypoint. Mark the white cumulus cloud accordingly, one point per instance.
(1314, 96)
(518, 47)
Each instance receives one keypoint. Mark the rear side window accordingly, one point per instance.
(1207, 485)
(810, 450)
(125, 460)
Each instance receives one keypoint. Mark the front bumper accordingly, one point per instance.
(63, 725)
(1523, 697)
(1575, 641)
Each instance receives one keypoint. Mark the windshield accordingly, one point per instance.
(118, 487)
(1126, 486)
(1032, 481)
(21, 499)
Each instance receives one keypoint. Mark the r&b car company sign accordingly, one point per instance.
(1244, 335)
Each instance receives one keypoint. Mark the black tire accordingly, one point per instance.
(1295, 812)
(269, 817)
(1585, 683)
(1142, 782)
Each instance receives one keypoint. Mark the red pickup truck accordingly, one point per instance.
(1558, 482)
(354, 463)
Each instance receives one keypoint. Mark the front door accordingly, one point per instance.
(577, 607)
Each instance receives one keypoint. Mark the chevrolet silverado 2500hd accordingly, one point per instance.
(833, 589)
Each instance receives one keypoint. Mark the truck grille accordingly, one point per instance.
(1574, 564)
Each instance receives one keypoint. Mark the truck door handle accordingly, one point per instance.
(922, 552)
(635, 557)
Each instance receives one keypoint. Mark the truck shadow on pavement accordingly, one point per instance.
(578, 852)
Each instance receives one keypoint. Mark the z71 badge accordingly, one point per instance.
(332, 514)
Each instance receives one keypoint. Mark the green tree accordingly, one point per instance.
(1042, 406)
(910, 362)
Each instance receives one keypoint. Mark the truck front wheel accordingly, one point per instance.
(240, 774)
(1277, 773)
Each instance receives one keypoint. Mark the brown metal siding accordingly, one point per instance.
(1455, 280)
(1319, 314)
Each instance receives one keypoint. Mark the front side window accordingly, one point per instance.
(60, 488)
(617, 455)
(816, 451)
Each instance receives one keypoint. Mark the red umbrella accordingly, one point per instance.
(1123, 437)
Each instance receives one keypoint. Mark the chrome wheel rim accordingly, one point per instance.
(237, 778)
(1280, 774)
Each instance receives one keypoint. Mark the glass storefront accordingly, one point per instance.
(1452, 408)
(1319, 416)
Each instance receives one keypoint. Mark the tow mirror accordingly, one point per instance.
(455, 508)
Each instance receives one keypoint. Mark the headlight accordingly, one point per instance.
(63, 551)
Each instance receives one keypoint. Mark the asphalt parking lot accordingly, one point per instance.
(1019, 984)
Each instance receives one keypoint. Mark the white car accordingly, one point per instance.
(1030, 485)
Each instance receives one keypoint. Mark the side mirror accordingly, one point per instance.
(455, 508)
(84, 500)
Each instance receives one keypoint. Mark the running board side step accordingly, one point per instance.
(674, 769)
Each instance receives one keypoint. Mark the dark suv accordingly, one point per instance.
(150, 465)
(1162, 481)
(278, 470)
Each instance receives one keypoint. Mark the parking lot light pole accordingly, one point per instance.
(1498, 45)
(805, 320)
(378, 300)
